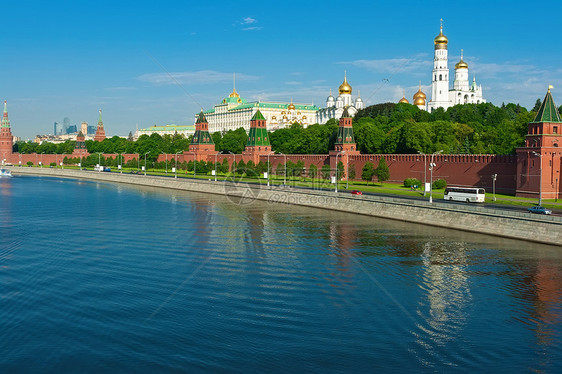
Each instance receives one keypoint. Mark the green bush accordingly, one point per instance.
(439, 184)
(409, 182)
(29, 163)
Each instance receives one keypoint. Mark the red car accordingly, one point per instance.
(356, 192)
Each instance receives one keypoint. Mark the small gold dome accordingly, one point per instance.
(345, 88)
(234, 93)
(419, 101)
(461, 65)
(291, 106)
(404, 100)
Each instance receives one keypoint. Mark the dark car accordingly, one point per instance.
(356, 192)
(539, 210)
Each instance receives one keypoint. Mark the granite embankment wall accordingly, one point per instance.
(473, 218)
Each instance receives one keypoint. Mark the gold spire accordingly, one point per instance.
(234, 93)
(403, 99)
(441, 40)
(419, 95)
(345, 88)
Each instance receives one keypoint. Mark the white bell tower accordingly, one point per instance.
(440, 78)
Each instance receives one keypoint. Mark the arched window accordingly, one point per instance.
(440, 77)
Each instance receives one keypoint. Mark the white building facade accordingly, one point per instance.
(235, 112)
(334, 107)
(462, 92)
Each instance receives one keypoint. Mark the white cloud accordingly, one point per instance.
(253, 28)
(192, 77)
(248, 20)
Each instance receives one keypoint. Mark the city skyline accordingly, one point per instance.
(145, 65)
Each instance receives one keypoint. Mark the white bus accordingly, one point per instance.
(468, 194)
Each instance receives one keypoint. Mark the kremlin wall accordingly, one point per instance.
(534, 170)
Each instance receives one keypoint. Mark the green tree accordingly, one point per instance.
(326, 171)
(313, 171)
(382, 172)
(351, 171)
(368, 172)
(341, 170)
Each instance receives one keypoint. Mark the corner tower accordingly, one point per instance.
(539, 162)
(100, 132)
(440, 78)
(6, 138)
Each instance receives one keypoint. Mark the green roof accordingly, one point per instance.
(548, 112)
(201, 118)
(202, 137)
(170, 128)
(258, 116)
(258, 137)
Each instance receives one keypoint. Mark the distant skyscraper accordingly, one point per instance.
(84, 128)
(71, 129)
(65, 125)
(56, 128)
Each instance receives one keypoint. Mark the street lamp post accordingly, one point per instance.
(494, 177)
(337, 154)
(176, 168)
(138, 162)
(269, 154)
(540, 176)
(99, 161)
(347, 174)
(120, 163)
(145, 162)
(424, 172)
(431, 166)
(42, 159)
(285, 174)
(166, 158)
(216, 154)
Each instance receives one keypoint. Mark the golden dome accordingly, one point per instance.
(234, 93)
(291, 106)
(404, 100)
(441, 40)
(419, 101)
(461, 64)
(345, 88)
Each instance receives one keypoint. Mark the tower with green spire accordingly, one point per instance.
(100, 132)
(345, 146)
(202, 143)
(345, 141)
(539, 162)
(258, 138)
(6, 138)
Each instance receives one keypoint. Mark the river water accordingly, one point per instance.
(106, 277)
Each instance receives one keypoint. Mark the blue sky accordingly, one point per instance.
(146, 62)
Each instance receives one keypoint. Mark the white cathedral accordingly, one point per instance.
(463, 92)
(334, 107)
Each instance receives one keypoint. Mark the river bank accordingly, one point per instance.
(471, 218)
